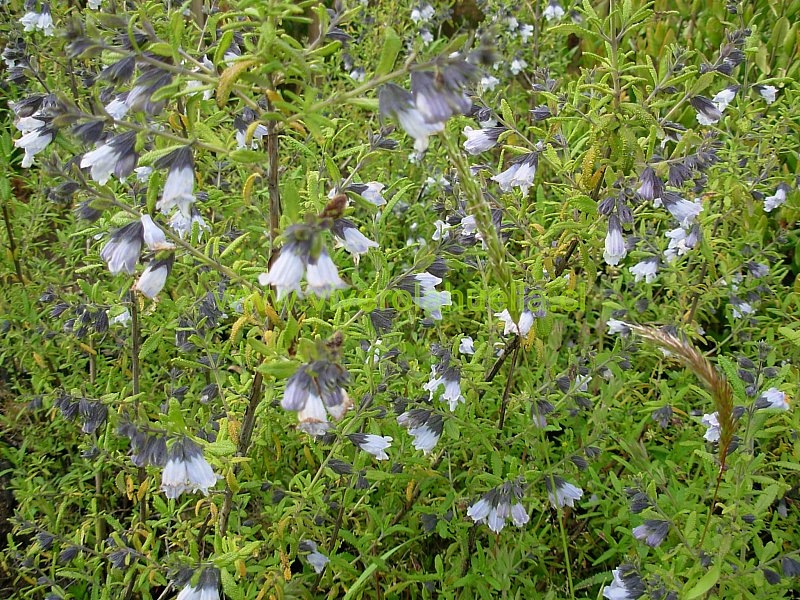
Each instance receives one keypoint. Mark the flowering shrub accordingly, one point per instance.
(393, 299)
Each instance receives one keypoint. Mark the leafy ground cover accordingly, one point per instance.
(387, 299)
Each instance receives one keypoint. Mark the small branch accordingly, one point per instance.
(12, 246)
(507, 390)
(245, 435)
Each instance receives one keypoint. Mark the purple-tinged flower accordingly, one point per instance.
(314, 391)
(711, 421)
(646, 269)
(684, 211)
(422, 14)
(117, 156)
(179, 186)
(315, 558)
(681, 241)
(34, 142)
(151, 80)
(554, 11)
(481, 140)
(767, 92)
(207, 587)
(422, 288)
(186, 470)
(153, 236)
(449, 377)
(525, 32)
(152, 280)
(248, 132)
(627, 585)
(773, 398)
(441, 230)
(183, 224)
(122, 250)
(740, 308)
(118, 107)
(778, 198)
(615, 326)
(560, 493)
(651, 185)
(521, 327)
(466, 345)
(499, 504)
(518, 65)
(43, 21)
(322, 276)
(371, 192)
(707, 112)
(519, 174)
(489, 82)
(399, 103)
(440, 95)
(372, 444)
(615, 249)
(652, 532)
(723, 98)
(539, 411)
(349, 237)
(424, 426)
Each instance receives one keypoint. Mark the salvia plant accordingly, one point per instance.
(395, 299)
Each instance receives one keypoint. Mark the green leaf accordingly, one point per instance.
(392, 44)
(706, 582)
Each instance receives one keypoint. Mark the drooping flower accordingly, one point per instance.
(150, 80)
(652, 532)
(615, 249)
(448, 376)
(184, 224)
(553, 11)
(646, 269)
(711, 421)
(778, 198)
(422, 14)
(723, 98)
(521, 327)
(707, 112)
(399, 103)
(481, 140)
(518, 65)
(424, 426)
(773, 398)
(117, 156)
(33, 142)
(767, 92)
(560, 493)
(370, 191)
(152, 280)
(440, 95)
(41, 20)
(179, 186)
(372, 444)
(422, 288)
(186, 470)
(651, 185)
(627, 585)
(681, 241)
(315, 558)
(207, 587)
(684, 211)
(615, 326)
(519, 174)
(466, 345)
(314, 391)
(322, 276)
(499, 504)
(247, 131)
(122, 250)
(348, 235)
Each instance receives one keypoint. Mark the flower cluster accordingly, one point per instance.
(314, 391)
(499, 504)
(435, 96)
(186, 470)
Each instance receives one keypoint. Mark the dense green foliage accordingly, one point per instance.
(644, 365)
